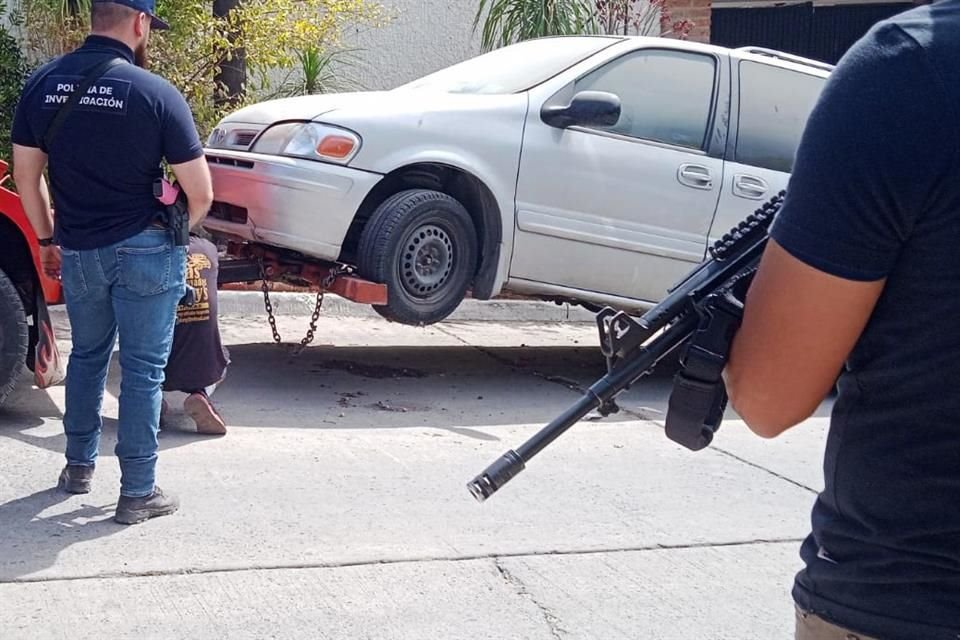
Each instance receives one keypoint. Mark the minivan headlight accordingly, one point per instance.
(310, 140)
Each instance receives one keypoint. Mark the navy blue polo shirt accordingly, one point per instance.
(875, 194)
(109, 151)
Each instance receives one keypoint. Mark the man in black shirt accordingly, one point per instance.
(862, 274)
(121, 271)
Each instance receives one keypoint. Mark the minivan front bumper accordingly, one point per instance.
(294, 203)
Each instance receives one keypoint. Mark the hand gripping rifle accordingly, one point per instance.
(702, 312)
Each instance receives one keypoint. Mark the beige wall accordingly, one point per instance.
(424, 36)
(427, 35)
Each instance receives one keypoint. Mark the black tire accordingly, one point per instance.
(14, 337)
(422, 244)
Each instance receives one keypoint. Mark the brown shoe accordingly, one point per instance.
(76, 478)
(137, 510)
(209, 422)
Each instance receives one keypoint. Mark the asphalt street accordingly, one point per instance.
(336, 506)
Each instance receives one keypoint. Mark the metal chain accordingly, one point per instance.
(325, 284)
(312, 327)
(268, 305)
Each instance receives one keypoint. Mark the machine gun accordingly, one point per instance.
(703, 313)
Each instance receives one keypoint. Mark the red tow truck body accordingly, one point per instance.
(243, 266)
(12, 210)
(20, 264)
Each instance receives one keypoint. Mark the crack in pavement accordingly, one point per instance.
(389, 561)
(572, 385)
(639, 415)
(750, 463)
(553, 622)
(763, 468)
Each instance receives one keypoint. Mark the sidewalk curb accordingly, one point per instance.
(248, 303)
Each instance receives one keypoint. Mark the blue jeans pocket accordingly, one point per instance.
(145, 271)
(71, 273)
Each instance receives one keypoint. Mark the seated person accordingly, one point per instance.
(198, 361)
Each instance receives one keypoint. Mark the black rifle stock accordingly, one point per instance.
(701, 312)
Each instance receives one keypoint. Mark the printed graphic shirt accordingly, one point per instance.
(198, 358)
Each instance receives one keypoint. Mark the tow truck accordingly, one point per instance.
(27, 333)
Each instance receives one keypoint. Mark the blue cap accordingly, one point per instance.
(146, 6)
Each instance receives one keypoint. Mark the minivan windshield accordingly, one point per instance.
(514, 68)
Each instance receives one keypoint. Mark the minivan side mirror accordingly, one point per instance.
(586, 109)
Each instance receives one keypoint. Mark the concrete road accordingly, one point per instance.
(336, 506)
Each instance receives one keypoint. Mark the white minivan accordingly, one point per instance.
(595, 170)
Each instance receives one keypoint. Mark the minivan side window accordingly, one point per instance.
(666, 95)
(774, 106)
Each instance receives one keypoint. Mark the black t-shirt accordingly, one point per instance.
(875, 193)
(107, 154)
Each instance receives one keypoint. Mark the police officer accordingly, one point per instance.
(121, 270)
(862, 275)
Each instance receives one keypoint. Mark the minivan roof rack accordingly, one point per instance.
(761, 51)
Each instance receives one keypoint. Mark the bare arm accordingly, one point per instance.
(799, 326)
(194, 178)
(28, 166)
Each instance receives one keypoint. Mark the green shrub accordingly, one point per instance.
(13, 72)
(272, 33)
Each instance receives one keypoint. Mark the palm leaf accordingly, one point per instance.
(319, 71)
(508, 21)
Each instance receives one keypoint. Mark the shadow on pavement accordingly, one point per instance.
(31, 541)
(29, 407)
(448, 387)
(454, 388)
(462, 389)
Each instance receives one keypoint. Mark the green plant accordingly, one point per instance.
(50, 28)
(318, 72)
(13, 72)
(73, 8)
(641, 18)
(509, 21)
(272, 34)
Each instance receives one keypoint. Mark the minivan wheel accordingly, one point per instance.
(14, 337)
(422, 244)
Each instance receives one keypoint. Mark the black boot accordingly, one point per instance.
(136, 510)
(76, 478)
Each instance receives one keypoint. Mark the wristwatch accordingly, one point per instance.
(45, 242)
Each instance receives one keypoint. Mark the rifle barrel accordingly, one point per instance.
(603, 390)
(735, 254)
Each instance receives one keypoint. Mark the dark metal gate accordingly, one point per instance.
(821, 33)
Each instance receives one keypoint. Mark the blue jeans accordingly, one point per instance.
(131, 288)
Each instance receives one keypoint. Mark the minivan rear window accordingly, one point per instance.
(774, 106)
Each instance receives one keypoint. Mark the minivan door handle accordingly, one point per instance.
(696, 176)
(749, 187)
